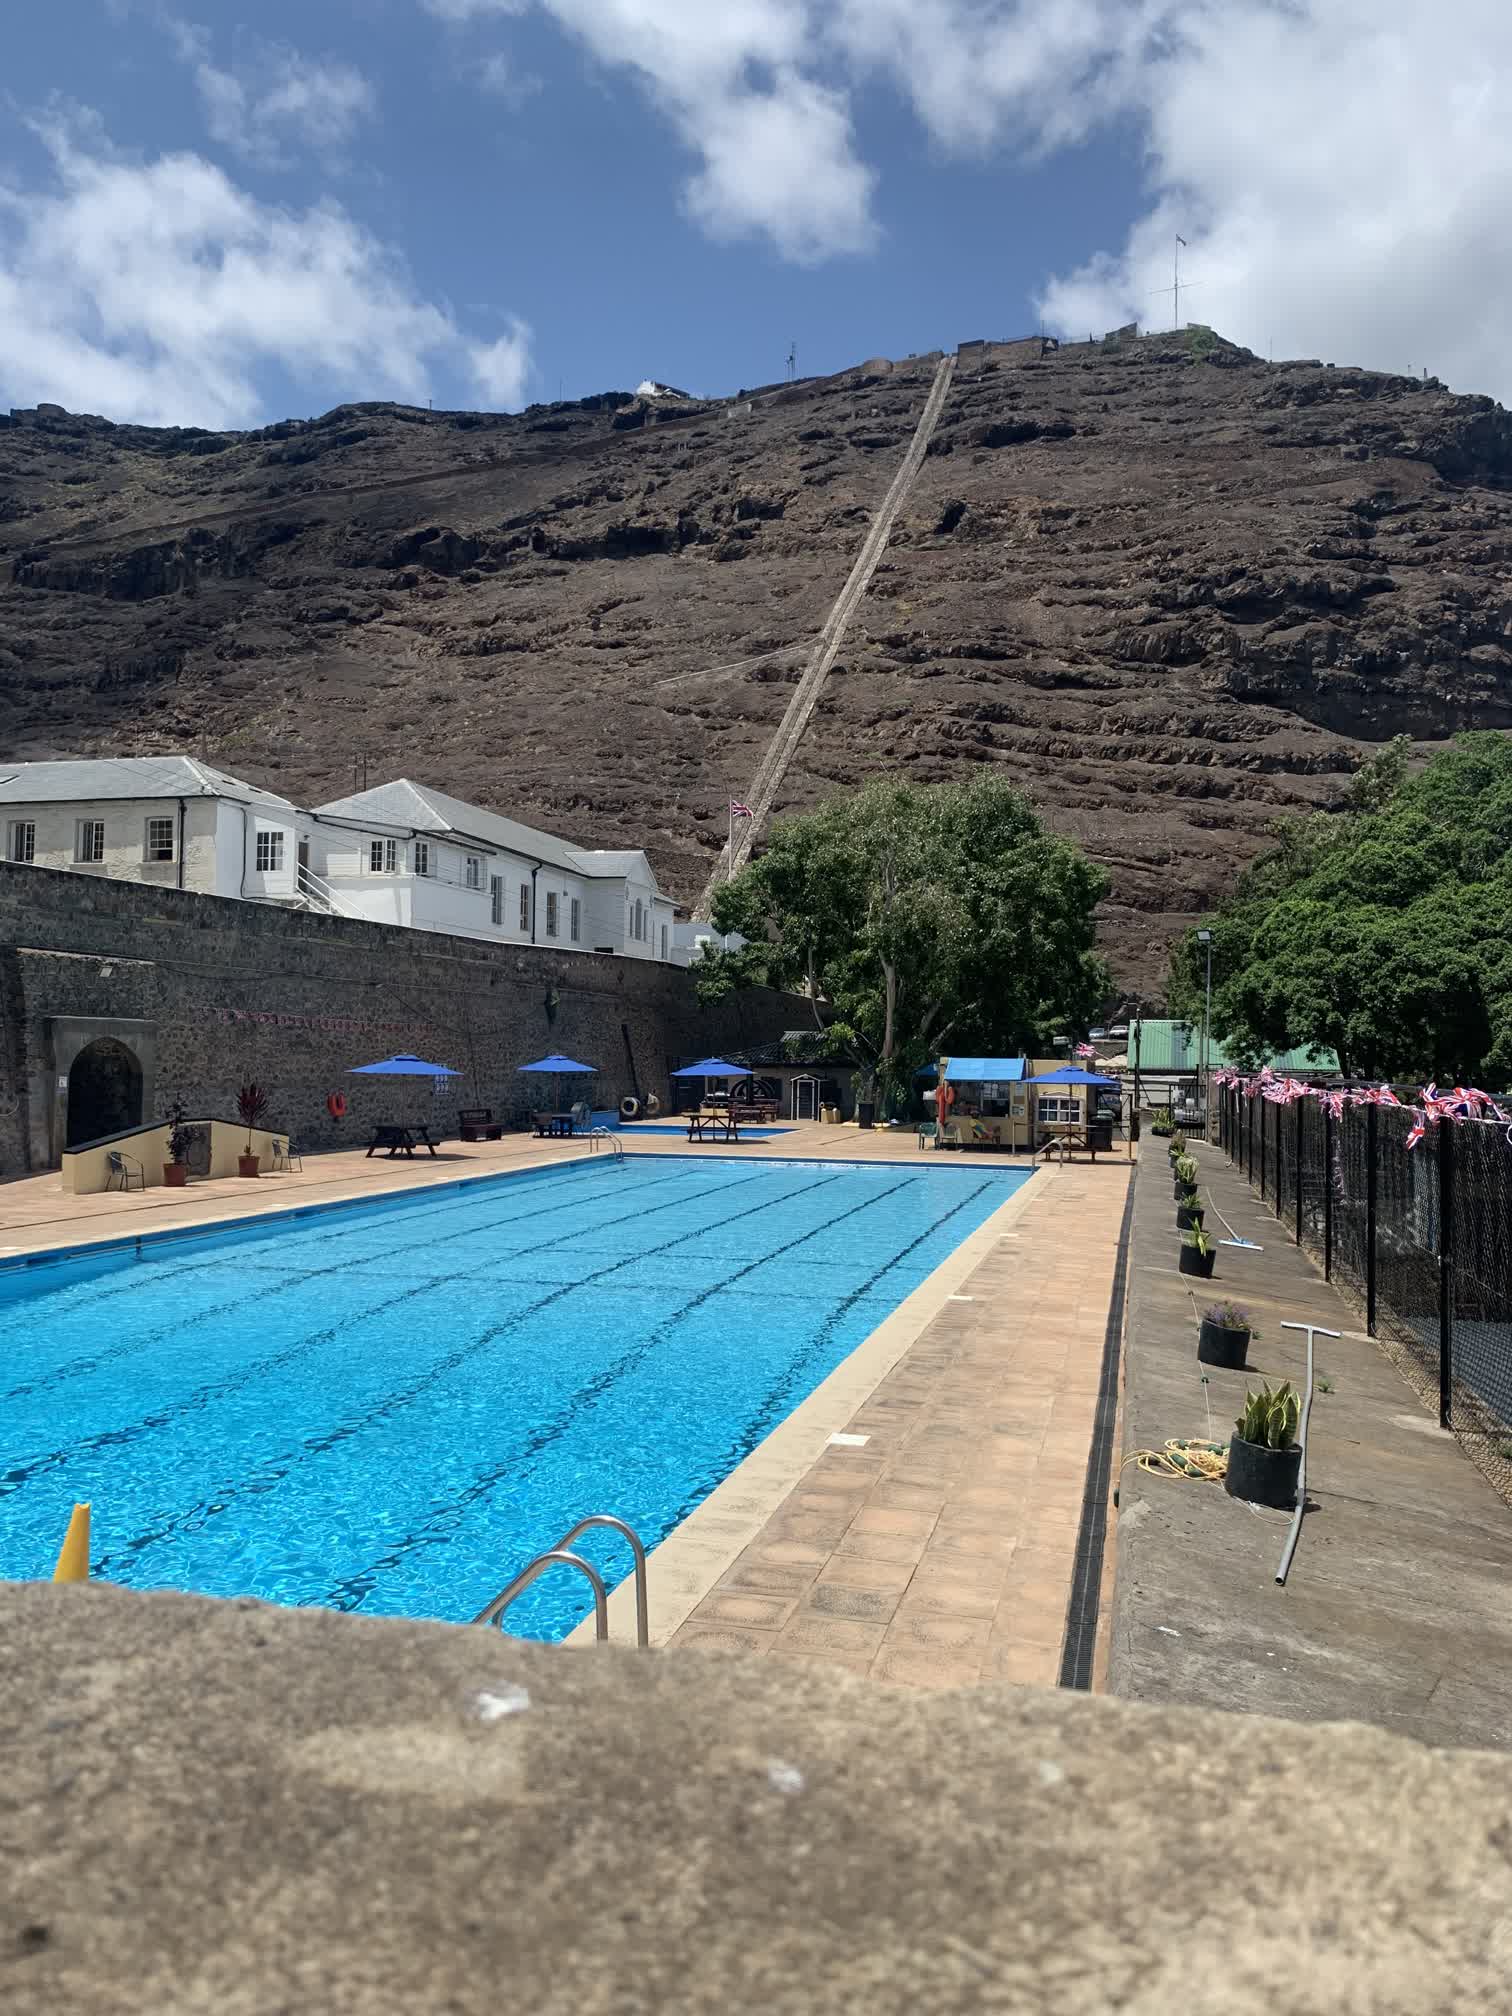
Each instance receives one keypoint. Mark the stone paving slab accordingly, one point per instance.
(1397, 1610)
(942, 1553)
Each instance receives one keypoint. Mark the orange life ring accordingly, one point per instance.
(336, 1105)
(945, 1100)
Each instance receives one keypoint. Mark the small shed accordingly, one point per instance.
(986, 1104)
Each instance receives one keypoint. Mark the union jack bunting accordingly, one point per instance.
(739, 811)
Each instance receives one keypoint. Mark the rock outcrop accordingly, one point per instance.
(1171, 590)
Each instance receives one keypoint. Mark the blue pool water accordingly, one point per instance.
(390, 1407)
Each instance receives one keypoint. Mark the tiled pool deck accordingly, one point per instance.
(938, 1553)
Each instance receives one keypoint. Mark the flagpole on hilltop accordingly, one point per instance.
(729, 839)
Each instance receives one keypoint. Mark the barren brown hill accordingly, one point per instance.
(1169, 589)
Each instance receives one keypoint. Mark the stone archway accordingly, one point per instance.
(104, 1091)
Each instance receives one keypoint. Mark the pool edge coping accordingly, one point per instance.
(701, 1548)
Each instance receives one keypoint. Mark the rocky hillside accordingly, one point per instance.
(1169, 589)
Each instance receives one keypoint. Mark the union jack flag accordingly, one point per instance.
(1085, 1050)
(740, 811)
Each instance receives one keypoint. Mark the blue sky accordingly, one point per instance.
(221, 214)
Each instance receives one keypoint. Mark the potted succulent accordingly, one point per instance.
(1223, 1336)
(1264, 1456)
(251, 1110)
(1160, 1121)
(1183, 1174)
(1197, 1254)
(1177, 1144)
(180, 1136)
(1189, 1212)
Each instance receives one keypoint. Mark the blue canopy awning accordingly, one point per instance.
(1070, 1074)
(978, 1070)
(713, 1067)
(402, 1066)
(558, 1066)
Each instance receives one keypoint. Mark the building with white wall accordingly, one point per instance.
(400, 853)
(404, 853)
(169, 820)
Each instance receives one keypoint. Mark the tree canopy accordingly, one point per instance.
(919, 919)
(1382, 932)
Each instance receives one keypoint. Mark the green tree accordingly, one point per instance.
(919, 919)
(1382, 932)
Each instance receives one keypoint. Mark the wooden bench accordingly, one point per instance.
(476, 1123)
(399, 1140)
(756, 1112)
(713, 1127)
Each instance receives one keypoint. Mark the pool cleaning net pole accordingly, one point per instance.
(1295, 1534)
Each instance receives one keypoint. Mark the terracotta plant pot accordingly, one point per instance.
(248, 1165)
(175, 1174)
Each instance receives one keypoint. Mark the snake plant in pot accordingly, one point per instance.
(1183, 1174)
(1224, 1335)
(1264, 1454)
(1197, 1254)
(1189, 1213)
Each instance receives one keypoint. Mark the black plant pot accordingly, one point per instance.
(1188, 1217)
(1180, 1189)
(1263, 1476)
(1217, 1345)
(1193, 1262)
(866, 1113)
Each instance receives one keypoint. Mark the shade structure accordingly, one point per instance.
(713, 1067)
(558, 1067)
(402, 1066)
(1071, 1074)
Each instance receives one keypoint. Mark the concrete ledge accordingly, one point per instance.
(238, 1809)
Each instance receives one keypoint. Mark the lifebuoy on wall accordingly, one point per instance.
(336, 1105)
(630, 1107)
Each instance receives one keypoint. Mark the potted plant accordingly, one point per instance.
(1197, 1254)
(180, 1135)
(1183, 1174)
(1188, 1212)
(252, 1110)
(1223, 1336)
(1176, 1146)
(1160, 1121)
(1264, 1457)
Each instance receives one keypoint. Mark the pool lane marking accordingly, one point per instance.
(55, 1459)
(261, 1480)
(80, 1367)
(363, 1581)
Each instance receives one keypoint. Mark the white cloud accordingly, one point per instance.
(273, 97)
(159, 291)
(472, 10)
(500, 369)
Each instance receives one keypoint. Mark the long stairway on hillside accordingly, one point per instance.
(773, 769)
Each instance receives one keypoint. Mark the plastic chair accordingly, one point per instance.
(124, 1166)
(928, 1129)
(286, 1155)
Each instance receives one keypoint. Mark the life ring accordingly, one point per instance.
(945, 1100)
(653, 1105)
(336, 1105)
(630, 1107)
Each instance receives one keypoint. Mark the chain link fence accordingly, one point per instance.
(1420, 1237)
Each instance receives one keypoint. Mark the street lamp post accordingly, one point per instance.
(1205, 938)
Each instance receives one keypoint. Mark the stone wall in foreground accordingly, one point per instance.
(235, 991)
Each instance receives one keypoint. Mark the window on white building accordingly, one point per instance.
(159, 840)
(551, 913)
(664, 941)
(422, 857)
(1059, 1109)
(383, 857)
(496, 898)
(472, 872)
(576, 931)
(637, 920)
(269, 853)
(89, 840)
(524, 906)
(21, 842)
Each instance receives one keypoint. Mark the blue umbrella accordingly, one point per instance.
(556, 1067)
(402, 1066)
(713, 1067)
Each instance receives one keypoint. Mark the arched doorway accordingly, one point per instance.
(104, 1091)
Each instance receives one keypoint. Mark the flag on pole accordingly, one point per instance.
(1085, 1050)
(1179, 239)
(739, 811)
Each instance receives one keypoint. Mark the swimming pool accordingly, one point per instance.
(389, 1407)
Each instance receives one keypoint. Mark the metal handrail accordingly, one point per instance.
(492, 1612)
(597, 1134)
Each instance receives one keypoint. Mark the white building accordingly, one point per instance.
(403, 853)
(400, 853)
(161, 819)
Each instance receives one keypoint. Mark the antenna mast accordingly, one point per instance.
(792, 361)
(1176, 279)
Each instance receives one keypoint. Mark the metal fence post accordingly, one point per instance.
(1327, 1194)
(1446, 1267)
(1301, 1103)
(1372, 1122)
(1262, 1103)
(1249, 1166)
(1279, 1201)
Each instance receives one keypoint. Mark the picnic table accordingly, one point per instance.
(548, 1125)
(713, 1127)
(399, 1140)
(1065, 1139)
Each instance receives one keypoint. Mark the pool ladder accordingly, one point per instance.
(597, 1134)
(492, 1612)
